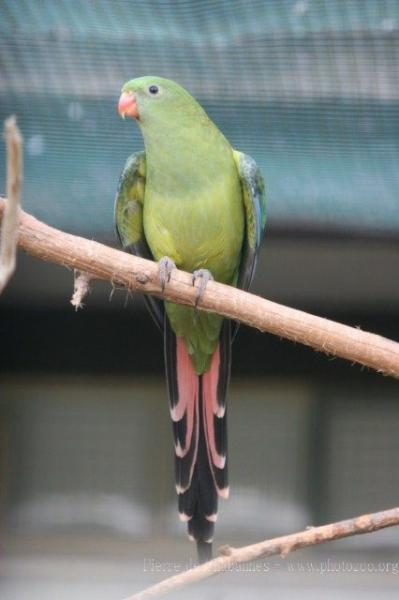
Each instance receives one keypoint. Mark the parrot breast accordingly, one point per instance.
(194, 214)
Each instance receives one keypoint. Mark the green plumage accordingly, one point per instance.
(186, 198)
(129, 205)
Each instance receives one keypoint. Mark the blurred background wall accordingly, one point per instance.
(309, 88)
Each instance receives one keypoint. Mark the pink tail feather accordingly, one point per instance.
(198, 411)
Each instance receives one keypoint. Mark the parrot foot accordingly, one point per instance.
(203, 276)
(166, 266)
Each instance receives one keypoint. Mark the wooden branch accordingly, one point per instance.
(135, 273)
(232, 557)
(9, 225)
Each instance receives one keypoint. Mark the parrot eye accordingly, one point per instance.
(153, 89)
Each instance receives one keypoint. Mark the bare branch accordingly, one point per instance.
(231, 557)
(135, 273)
(9, 225)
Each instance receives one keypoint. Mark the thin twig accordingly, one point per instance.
(135, 273)
(232, 557)
(9, 225)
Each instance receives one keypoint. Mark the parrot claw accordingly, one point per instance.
(203, 276)
(166, 266)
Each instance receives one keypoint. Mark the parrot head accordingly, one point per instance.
(152, 98)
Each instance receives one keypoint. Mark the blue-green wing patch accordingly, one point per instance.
(130, 200)
(129, 204)
(254, 198)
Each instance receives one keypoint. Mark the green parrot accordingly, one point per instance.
(193, 202)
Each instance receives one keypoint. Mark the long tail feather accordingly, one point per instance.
(198, 411)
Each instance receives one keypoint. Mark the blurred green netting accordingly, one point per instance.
(310, 88)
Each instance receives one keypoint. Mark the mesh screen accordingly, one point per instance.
(310, 88)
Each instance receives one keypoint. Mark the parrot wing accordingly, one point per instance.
(253, 191)
(129, 203)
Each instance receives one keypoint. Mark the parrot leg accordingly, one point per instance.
(203, 276)
(166, 266)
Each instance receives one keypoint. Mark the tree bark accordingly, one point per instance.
(102, 262)
(232, 557)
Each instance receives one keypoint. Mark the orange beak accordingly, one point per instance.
(127, 105)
